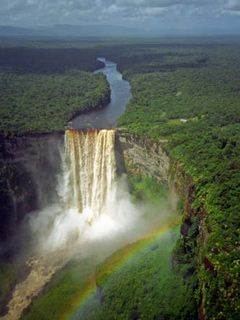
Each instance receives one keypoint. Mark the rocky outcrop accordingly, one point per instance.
(142, 156)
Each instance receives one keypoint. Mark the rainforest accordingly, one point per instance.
(120, 179)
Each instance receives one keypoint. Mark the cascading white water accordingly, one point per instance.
(87, 187)
(95, 217)
(89, 170)
(95, 203)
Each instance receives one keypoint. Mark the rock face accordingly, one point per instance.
(143, 156)
(28, 173)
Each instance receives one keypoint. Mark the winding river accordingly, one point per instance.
(120, 95)
(41, 269)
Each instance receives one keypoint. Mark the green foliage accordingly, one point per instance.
(59, 293)
(143, 288)
(187, 95)
(196, 109)
(44, 103)
(48, 59)
(8, 276)
(147, 189)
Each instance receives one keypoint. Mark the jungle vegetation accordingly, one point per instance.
(143, 287)
(48, 60)
(190, 96)
(41, 89)
(39, 103)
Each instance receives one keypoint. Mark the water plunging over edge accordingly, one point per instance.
(90, 169)
(94, 208)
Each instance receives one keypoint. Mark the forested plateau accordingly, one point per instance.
(186, 96)
(190, 97)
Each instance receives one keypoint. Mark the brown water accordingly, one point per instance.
(41, 270)
(91, 170)
(120, 95)
(89, 188)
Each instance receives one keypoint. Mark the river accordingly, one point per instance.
(120, 96)
(90, 157)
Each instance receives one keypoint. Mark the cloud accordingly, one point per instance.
(40, 12)
(233, 5)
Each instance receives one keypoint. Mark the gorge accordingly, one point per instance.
(81, 196)
(117, 218)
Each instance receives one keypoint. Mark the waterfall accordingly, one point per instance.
(89, 170)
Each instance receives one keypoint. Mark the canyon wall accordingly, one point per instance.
(28, 173)
(147, 158)
(144, 157)
(29, 169)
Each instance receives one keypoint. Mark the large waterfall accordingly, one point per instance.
(94, 217)
(89, 170)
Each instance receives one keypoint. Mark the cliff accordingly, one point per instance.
(147, 158)
(28, 173)
(142, 156)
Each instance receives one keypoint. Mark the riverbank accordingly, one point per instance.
(194, 111)
(35, 104)
(107, 117)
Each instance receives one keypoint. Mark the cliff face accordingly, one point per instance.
(142, 156)
(28, 173)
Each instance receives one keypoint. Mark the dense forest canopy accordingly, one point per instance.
(48, 60)
(33, 103)
(190, 96)
(186, 96)
(41, 89)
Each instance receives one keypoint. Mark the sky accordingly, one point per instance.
(220, 16)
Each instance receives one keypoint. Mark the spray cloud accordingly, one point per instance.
(95, 208)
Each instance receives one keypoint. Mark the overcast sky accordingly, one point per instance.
(207, 15)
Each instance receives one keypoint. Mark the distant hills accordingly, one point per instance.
(63, 31)
(67, 31)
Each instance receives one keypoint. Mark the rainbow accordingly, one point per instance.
(112, 264)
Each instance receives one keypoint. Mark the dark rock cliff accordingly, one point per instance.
(28, 173)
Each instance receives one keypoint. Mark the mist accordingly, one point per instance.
(122, 222)
(95, 225)
(90, 216)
